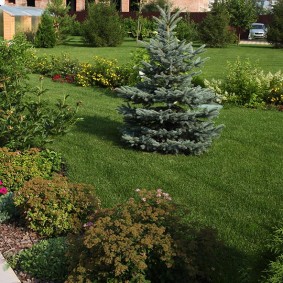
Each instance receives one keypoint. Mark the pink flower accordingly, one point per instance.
(3, 191)
(1, 183)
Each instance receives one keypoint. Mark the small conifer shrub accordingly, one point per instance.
(45, 36)
(165, 112)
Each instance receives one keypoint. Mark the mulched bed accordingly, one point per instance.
(15, 239)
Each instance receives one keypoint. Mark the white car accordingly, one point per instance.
(257, 30)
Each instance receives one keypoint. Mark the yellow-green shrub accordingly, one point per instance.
(55, 207)
(16, 167)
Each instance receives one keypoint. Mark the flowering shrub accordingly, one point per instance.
(84, 75)
(67, 79)
(275, 95)
(101, 72)
(55, 207)
(3, 190)
(16, 167)
(143, 240)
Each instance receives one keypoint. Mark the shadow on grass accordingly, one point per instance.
(102, 127)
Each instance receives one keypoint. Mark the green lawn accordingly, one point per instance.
(236, 187)
(269, 59)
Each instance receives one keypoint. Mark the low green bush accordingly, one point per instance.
(274, 272)
(55, 207)
(45, 260)
(16, 167)
(187, 30)
(143, 240)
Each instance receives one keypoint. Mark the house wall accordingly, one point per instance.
(184, 5)
(9, 26)
(80, 4)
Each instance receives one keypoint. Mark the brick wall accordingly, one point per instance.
(9, 27)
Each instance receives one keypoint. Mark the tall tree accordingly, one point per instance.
(275, 31)
(242, 14)
(165, 112)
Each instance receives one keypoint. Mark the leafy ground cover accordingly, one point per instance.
(236, 187)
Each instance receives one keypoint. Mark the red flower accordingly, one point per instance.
(3, 191)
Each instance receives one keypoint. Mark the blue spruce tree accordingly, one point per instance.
(165, 112)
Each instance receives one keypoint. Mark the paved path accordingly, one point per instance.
(261, 42)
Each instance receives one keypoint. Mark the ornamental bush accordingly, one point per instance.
(55, 207)
(245, 84)
(45, 36)
(45, 260)
(26, 120)
(16, 167)
(103, 25)
(143, 240)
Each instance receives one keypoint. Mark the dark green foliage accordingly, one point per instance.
(165, 112)
(45, 36)
(26, 120)
(143, 240)
(275, 30)
(16, 167)
(103, 26)
(45, 260)
(55, 207)
(242, 14)
(187, 30)
(214, 29)
(8, 210)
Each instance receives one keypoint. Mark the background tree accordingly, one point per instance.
(45, 36)
(63, 22)
(214, 30)
(242, 14)
(165, 112)
(187, 29)
(103, 25)
(275, 31)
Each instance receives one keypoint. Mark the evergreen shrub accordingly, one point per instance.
(103, 25)
(55, 207)
(143, 240)
(45, 36)
(214, 30)
(165, 112)
(16, 167)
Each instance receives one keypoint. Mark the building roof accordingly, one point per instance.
(21, 10)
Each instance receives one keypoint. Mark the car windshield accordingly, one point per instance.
(257, 26)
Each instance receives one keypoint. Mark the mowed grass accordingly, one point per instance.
(236, 187)
(266, 57)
